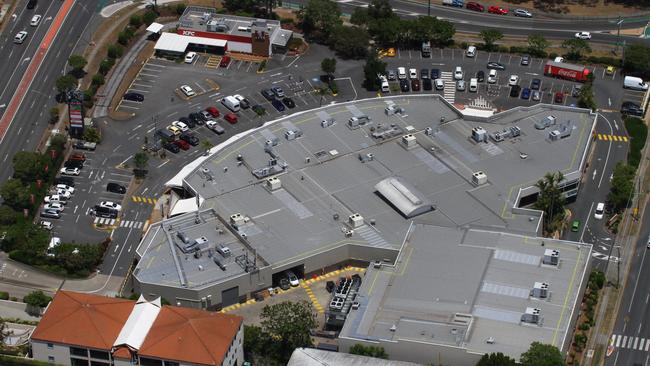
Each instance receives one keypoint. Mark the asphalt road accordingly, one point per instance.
(631, 335)
(468, 21)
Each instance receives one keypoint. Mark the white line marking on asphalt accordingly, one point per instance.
(136, 127)
(165, 162)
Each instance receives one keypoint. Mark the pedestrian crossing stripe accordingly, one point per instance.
(313, 298)
(104, 221)
(147, 200)
(605, 137)
(633, 343)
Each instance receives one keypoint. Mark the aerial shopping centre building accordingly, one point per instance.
(434, 202)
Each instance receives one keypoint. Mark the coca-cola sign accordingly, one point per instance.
(567, 73)
(188, 33)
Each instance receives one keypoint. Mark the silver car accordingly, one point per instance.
(535, 95)
(460, 85)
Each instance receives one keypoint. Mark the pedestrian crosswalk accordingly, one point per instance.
(611, 137)
(123, 223)
(147, 200)
(630, 342)
(449, 93)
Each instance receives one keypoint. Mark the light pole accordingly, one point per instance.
(429, 9)
(618, 34)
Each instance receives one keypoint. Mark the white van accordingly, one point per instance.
(384, 84)
(401, 73)
(473, 85)
(634, 83)
(471, 51)
(231, 103)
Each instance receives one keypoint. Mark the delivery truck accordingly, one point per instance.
(566, 71)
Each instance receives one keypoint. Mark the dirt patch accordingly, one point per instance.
(130, 74)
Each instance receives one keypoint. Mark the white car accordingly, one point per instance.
(458, 73)
(63, 193)
(109, 204)
(46, 225)
(54, 206)
(583, 35)
(20, 37)
(514, 80)
(293, 279)
(401, 73)
(66, 187)
(35, 20)
(187, 91)
(492, 76)
(522, 13)
(54, 198)
(181, 126)
(54, 242)
(600, 211)
(70, 171)
(439, 83)
(190, 57)
(413, 73)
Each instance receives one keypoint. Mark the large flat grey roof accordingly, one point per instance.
(447, 274)
(323, 176)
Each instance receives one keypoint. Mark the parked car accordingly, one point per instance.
(78, 156)
(69, 181)
(525, 60)
(225, 61)
(243, 102)
(434, 74)
(458, 73)
(278, 91)
(169, 146)
(575, 225)
(480, 76)
(415, 84)
(70, 171)
(460, 85)
(73, 164)
(268, 94)
(111, 205)
(187, 91)
(278, 105)
(401, 73)
(215, 126)
(630, 108)
(474, 6)
(583, 35)
(426, 84)
(196, 118)
(50, 214)
(180, 125)
(85, 145)
(190, 122)
(535, 84)
(514, 80)
(559, 98)
(54, 198)
(424, 74)
(190, 139)
(293, 279)
(190, 57)
(495, 65)
(404, 86)
(536, 96)
(46, 225)
(288, 102)
(115, 188)
(54, 206)
(514, 91)
(413, 74)
(497, 10)
(492, 76)
(525, 94)
(439, 83)
(183, 145)
(522, 13)
(64, 187)
(232, 118)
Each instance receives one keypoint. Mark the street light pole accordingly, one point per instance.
(618, 34)
(429, 9)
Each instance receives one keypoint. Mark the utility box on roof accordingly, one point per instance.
(479, 178)
(355, 220)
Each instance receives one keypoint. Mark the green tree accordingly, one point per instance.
(98, 80)
(328, 65)
(256, 344)
(370, 351)
(622, 186)
(180, 8)
(37, 299)
(7, 215)
(637, 59)
(576, 48)
(77, 62)
(496, 359)
(586, 97)
(388, 32)
(54, 114)
(288, 324)
(115, 51)
(65, 83)
(540, 354)
(149, 17)
(350, 42)
(135, 21)
(360, 17)
(551, 200)
(140, 160)
(380, 9)
(79, 260)
(91, 134)
(490, 36)
(373, 67)
(207, 145)
(29, 166)
(444, 33)
(319, 19)
(106, 65)
(537, 45)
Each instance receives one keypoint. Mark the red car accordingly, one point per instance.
(213, 111)
(559, 98)
(231, 117)
(497, 10)
(225, 61)
(474, 6)
(182, 144)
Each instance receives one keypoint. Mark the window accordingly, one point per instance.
(97, 363)
(78, 362)
(150, 362)
(79, 351)
(50, 359)
(50, 346)
(99, 354)
(171, 363)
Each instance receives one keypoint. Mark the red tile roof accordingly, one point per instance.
(81, 319)
(191, 335)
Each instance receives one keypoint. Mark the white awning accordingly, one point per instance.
(155, 28)
(172, 42)
(138, 324)
(186, 205)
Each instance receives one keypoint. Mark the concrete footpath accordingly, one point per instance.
(15, 310)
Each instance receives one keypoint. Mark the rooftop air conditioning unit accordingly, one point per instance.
(236, 219)
(224, 250)
(479, 134)
(551, 257)
(540, 290)
(355, 220)
(273, 184)
(479, 178)
(531, 316)
(409, 141)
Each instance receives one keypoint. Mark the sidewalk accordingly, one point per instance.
(16, 310)
(99, 284)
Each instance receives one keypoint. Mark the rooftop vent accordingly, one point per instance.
(236, 220)
(366, 157)
(218, 263)
(326, 122)
(479, 134)
(540, 290)
(551, 257)
(224, 250)
(358, 121)
(544, 123)
(181, 235)
(355, 220)
(409, 141)
(273, 184)
(532, 316)
(479, 178)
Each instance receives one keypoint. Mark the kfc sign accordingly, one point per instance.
(188, 33)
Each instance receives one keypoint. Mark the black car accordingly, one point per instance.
(244, 103)
(278, 105)
(115, 188)
(514, 91)
(424, 74)
(404, 85)
(107, 212)
(426, 84)
(268, 94)
(171, 147)
(135, 97)
(68, 181)
(31, 4)
(496, 65)
(288, 102)
(188, 121)
(535, 84)
(189, 138)
(480, 76)
(631, 109)
(435, 73)
(259, 110)
(73, 164)
(284, 284)
(525, 60)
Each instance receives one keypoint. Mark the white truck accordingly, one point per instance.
(231, 103)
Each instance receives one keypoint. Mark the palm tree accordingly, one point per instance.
(550, 199)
